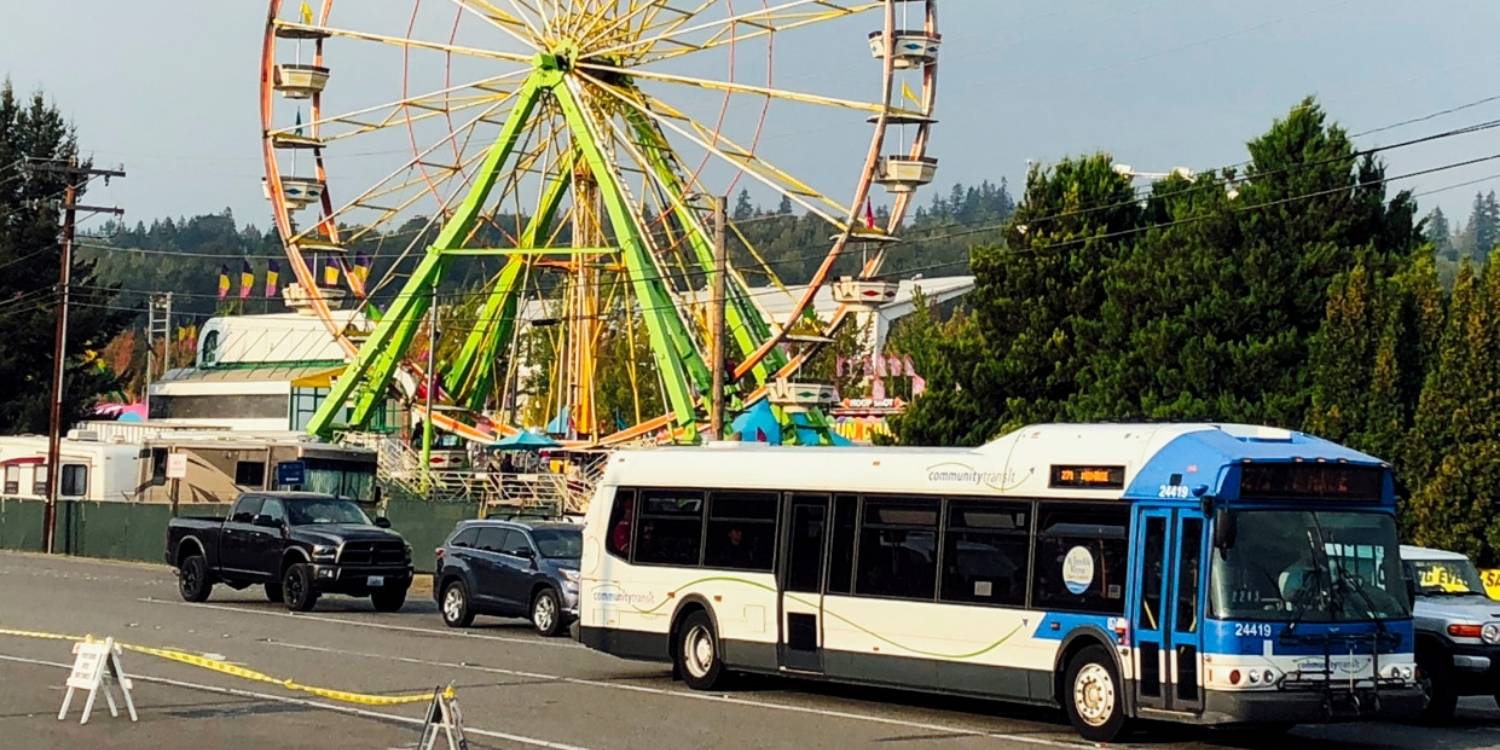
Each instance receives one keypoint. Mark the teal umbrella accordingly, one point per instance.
(526, 441)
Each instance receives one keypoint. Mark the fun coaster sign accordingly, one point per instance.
(96, 665)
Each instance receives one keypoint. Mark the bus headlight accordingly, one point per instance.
(1490, 633)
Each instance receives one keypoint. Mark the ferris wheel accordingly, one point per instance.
(554, 166)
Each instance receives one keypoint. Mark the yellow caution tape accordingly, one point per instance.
(203, 662)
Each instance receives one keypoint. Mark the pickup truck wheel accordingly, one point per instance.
(389, 601)
(192, 579)
(297, 588)
(456, 611)
(273, 593)
(1435, 675)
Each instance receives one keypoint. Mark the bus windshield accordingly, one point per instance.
(1309, 566)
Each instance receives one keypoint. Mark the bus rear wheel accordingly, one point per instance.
(1093, 695)
(698, 655)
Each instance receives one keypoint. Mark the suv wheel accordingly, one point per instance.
(455, 605)
(546, 613)
(1435, 675)
(297, 588)
(192, 579)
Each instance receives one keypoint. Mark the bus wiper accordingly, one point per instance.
(1310, 584)
(1353, 583)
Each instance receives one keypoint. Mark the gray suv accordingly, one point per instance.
(1457, 629)
(510, 569)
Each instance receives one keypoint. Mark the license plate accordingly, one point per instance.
(376, 581)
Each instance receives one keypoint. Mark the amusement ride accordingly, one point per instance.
(562, 162)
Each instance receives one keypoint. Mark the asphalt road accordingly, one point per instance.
(517, 689)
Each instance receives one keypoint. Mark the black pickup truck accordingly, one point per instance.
(299, 545)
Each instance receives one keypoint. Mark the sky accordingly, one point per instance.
(171, 90)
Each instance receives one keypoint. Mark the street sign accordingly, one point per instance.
(96, 664)
(177, 465)
(291, 473)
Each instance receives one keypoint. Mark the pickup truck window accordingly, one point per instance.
(245, 510)
(329, 510)
(274, 509)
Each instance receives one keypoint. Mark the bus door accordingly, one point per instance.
(1148, 618)
(801, 642)
(1166, 624)
(1186, 636)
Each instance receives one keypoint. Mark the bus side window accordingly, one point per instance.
(671, 524)
(898, 548)
(1080, 558)
(841, 559)
(741, 530)
(621, 524)
(985, 552)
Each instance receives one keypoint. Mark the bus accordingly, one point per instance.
(1209, 574)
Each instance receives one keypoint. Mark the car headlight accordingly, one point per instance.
(1490, 632)
(325, 551)
(570, 575)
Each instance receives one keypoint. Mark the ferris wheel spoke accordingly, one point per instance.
(403, 42)
(740, 158)
(744, 88)
(729, 36)
(759, 18)
(498, 18)
(388, 113)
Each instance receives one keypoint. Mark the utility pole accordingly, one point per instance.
(716, 314)
(77, 177)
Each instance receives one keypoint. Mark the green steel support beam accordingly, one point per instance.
(472, 374)
(744, 320)
(676, 357)
(367, 378)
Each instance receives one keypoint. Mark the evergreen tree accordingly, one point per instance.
(30, 253)
(1483, 228)
(744, 208)
(1440, 234)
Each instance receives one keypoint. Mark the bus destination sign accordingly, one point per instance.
(1087, 477)
(1311, 480)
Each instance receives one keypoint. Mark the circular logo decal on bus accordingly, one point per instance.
(1078, 570)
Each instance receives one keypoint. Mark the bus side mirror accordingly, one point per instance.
(1224, 528)
(1411, 590)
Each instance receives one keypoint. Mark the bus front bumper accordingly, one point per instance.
(1311, 706)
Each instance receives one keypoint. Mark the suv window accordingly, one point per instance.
(516, 544)
(491, 539)
(465, 538)
(245, 510)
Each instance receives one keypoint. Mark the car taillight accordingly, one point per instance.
(1465, 631)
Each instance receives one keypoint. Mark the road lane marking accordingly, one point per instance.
(554, 643)
(718, 698)
(365, 713)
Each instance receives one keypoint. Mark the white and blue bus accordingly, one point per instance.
(1198, 573)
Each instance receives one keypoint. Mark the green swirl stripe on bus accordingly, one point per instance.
(753, 584)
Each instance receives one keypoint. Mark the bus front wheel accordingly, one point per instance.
(699, 658)
(1093, 695)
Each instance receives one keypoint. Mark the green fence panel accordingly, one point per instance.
(21, 524)
(425, 525)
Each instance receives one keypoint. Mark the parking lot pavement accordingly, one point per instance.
(517, 689)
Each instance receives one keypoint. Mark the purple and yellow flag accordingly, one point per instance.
(223, 282)
(331, 272)
(361, 268)
(247, 278)
(273, 275)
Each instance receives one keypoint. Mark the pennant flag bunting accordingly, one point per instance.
(307, 14)
(273, 275)
(247, 278)
(223, 282)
